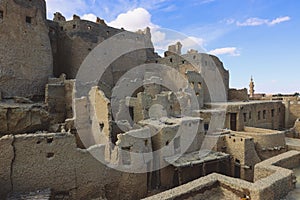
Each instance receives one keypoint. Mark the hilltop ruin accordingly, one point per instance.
(180, 131)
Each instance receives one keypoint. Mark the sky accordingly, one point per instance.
(259, 38)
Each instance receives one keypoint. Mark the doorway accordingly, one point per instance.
(233, 120)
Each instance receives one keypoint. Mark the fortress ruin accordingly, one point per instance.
(180, 133)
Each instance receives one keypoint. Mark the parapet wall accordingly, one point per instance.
(272, 181)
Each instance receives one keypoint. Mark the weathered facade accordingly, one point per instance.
(26, 60)
(115, 144)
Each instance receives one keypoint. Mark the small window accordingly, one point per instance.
(250, 115)
(199, 85)
(171, 60)
(273, 112)
(28, 20)
(258, 115)
(177, 144)
(193, 84)
(245, 117)
(74, 26)
(1, 14)
(101, 125)
(89, 28)
(264, 114)
(206, 127)
(131, 112)
(61, 28)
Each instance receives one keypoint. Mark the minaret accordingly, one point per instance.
(251, 85)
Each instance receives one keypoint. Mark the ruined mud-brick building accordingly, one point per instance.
(132, 134)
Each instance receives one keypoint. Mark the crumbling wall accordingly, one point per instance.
(244, 155)
(267, 144)
(216, 78)
(23, 118)
(297, 126)
(26, 57)
(238, 95)
(39, 161)
(292, 112)
(7, 155)
(73, 40)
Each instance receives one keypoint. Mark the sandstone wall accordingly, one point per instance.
(238, 95)
(268, 115)
(215, 83)
(73, 40)
(267, 144)
(39, 161)
(243, 152)
(23, 118)
(26, 56)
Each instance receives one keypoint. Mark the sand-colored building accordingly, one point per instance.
(132, 135)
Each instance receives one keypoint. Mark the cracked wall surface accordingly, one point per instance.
(40, 161)
(23, 118)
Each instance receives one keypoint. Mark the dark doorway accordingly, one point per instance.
(237, 169)
(131, 112)
(233, 120)
(175, 179)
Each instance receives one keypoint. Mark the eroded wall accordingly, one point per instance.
(23, 118)
(238, 95)
(39, 161)
(26, 56)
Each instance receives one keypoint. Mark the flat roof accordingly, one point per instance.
(195, 158)
(233, 103)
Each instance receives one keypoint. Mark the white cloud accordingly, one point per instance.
(253, 22)
(89, 17)
(192, 42)
(157, 36)
(133, 20)
(229, 21)
(259, 22)
(232, 51)
(280, 20)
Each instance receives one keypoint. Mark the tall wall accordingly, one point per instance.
(26, 57)
(73, 40)
(215, 76)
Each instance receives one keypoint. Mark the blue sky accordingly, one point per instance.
(251, 37)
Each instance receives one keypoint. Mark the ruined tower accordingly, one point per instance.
(25, 50)
(251, 85)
